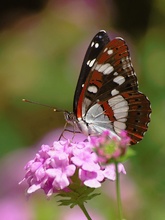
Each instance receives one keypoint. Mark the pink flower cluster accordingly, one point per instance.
(54, 167)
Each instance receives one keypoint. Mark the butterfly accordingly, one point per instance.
(106, 95)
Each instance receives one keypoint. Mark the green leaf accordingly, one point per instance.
(80, 195)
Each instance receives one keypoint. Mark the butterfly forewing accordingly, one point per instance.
(95, 47)
(112, 73)
(107, 96)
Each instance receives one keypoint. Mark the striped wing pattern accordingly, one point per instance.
(107, 95)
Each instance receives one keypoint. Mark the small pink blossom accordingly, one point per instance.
(107, 149)
(91, 175)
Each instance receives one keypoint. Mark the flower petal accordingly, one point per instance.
(33, 188)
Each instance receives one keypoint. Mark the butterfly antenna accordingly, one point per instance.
(48, 106)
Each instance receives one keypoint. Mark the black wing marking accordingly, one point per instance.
(95, 47)
(121, 76)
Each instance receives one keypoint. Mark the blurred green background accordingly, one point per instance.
(42, 45)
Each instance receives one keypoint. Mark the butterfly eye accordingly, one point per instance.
(69, 117)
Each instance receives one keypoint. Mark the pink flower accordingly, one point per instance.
(91, 175)
(55, 168)
(110, 149)
(50, 169)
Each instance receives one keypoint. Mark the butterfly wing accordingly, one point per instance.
(95, 47)
(109, 96)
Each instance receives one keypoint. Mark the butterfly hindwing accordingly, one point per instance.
(128, 111)
(138, 115)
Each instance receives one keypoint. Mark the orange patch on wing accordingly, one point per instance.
(96, 79)
(108, 111)
(79, 104)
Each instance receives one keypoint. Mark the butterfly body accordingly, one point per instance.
(107, 96)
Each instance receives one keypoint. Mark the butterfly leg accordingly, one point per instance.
(65, 129)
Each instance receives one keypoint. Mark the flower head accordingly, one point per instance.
(110, 149)
(56, 168)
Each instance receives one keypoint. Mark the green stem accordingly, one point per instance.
(118, 192)
(82, 207)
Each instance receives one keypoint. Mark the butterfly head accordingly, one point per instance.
(70, 118)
